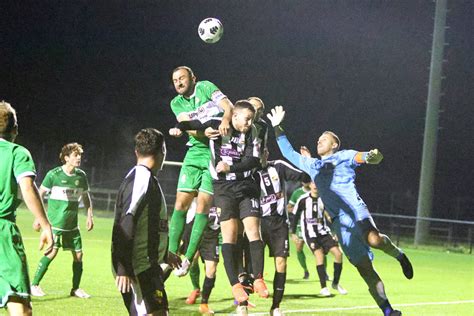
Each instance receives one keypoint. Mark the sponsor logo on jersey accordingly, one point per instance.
(272, 198)
(76, 182)
(229, 152)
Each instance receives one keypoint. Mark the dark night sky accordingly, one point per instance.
(97, 71)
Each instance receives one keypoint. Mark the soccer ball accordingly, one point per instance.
(210, 30)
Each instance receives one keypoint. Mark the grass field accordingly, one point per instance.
(443, 283)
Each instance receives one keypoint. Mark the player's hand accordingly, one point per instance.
(123, 283)
(174, 260)
(90, 223)
(224, 127)
(374, 157)
(211, 133)
(36, 225)
(175, 132)
(46, 240)
(304, 151)
(276, 116)
(222, 167)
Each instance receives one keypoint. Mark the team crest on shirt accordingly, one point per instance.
(76, 182)
(274, 178)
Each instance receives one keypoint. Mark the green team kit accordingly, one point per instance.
(15, 163)
(202, 105)
(63, 204)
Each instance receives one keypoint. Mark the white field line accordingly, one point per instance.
(334, 309)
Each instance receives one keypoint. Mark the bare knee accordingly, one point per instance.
(183, 200)
(280, 264)
(375, 239)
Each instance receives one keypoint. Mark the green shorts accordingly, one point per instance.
(14, 279)
(68, 240)
(195, 175)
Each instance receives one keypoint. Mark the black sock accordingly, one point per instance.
(76, 274)
(228, 251)
(256, 255)
(278, 289)
(238, 254)
(337, 272)
(322, 275)
(206, 289)
(376, 286)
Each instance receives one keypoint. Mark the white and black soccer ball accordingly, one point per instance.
(210, 30)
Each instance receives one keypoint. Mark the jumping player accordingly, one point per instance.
(334, 176)
(17, 171)
(66, 186)
(201, 101)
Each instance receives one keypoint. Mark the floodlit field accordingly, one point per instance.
(443, 283)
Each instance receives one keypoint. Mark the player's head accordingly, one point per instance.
(150, 143)
(306, 185)
(71, 154)
(243, 115)
(258, 105)
(328, 143)
(183, 80)
(313, 189)
(8, 123)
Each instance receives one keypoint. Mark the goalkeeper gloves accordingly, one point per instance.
(374, 157)
(276, 116)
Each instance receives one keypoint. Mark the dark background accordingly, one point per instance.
(96, 72)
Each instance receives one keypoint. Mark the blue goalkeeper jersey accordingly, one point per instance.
(334, 176)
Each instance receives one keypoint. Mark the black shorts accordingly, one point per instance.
(367, 225)
(209, 247)
(148, 294)
(324, 242)
(237, 199)
(275, 235)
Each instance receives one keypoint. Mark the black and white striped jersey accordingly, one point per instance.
(310, 212)
(272, 186)
(262, 134)
(140, 232)
(241, 151)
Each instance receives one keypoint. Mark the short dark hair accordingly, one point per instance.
(188, 69)
(7, 119)
(69, 149)
(149, 142)
(244, 104)
(257, 99)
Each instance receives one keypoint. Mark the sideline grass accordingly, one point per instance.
(439, 277)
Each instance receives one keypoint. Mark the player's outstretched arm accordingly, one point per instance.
(224, 127)
(301, 162)
(33, 202)
(372, 157)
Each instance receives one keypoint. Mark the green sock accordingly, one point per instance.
(302, 259)
(76, 274)
(178, 220)
(194, 272)
(200, 223)
(41, 270)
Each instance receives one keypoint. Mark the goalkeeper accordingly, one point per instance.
(334, 175)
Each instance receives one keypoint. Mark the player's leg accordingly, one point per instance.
(19, 306)
(208, 285)
(336, 252)
(319, 256)
(382, 242)
(149, 295)
(376, 286)
(44, 263)
(204, 200)
(252, 230)
(301, 256)
(178, 218)
(194, 274)
(72, 240)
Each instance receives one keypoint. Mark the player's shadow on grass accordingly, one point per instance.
(49, 299)
(177, 304)
(298, 281)
(305, 296)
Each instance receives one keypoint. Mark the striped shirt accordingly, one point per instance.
(310, 212)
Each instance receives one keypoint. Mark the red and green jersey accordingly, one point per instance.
(15, 163)
(202, 105)
(64, 194)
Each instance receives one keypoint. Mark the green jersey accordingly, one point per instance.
(64, 194)
(202, 105)
(15, 164)
(296, 195)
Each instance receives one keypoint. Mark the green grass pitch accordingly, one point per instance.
(443, 283)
